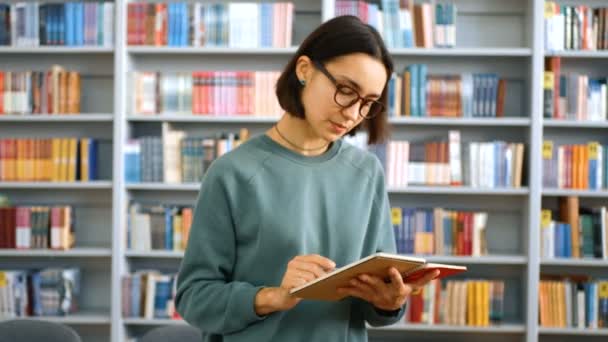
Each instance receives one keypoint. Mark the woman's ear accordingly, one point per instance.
(304, 69)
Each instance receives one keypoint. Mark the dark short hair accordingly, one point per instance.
(337, 37)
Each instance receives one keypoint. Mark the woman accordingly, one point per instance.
(288, 206)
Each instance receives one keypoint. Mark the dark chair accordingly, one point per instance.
(181, 333)
(34, 330)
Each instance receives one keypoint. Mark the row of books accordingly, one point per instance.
(448, 162)
(31, 24)
(575, 27)
(439, 231)
(236, 25)
(158, 227)
(149, 294)
(56, 91)
(404, 24)
(578, 166)
(205, 92)
(37, 227)
(419, 94)
(576, 232)
(458, 302)
(572, 95)
(46, 292)
(174, 157)
(577, 302)
(53, 159)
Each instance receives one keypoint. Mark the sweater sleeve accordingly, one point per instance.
(381, 227)
(207, 296)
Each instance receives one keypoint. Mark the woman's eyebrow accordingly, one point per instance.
(356, 85)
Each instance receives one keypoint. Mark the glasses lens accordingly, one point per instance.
(371, 109)
(345, 96)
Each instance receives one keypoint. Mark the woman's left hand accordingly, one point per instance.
(385, 296)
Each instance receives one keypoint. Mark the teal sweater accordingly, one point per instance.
(263, 204)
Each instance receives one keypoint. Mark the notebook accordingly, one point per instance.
(378, 264)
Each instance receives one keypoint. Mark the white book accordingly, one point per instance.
(479, 225)
(455, 159)
(108, 24)
(568, 296)
(581, 309)
(172, 153)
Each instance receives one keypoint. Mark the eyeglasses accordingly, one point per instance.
(346, 96)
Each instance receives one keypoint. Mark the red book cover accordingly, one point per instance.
(416, 303)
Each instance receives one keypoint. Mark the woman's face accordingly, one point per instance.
(360, 72)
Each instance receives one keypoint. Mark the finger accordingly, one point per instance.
(375, 282)
(426, 278)
(307, 276)
(354, 292)
(364, 287)
(309, 267)
(325, 263)
(397, 283)
(396, 278)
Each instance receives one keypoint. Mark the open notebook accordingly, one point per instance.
(411, 268)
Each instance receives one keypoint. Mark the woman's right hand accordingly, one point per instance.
(300, 270)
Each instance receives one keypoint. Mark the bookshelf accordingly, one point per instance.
(492, 36)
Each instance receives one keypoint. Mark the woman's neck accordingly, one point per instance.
(297, 135)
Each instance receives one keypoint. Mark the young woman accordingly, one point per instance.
(288, 206)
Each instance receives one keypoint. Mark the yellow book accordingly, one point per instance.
(470, 286)
(61, 160)
(56, 159)
(485, 303)
(84, 160)
(19, 160)
(72, 156)
(177, 233)
(479, 302)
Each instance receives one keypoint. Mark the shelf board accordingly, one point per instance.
(574, 123)
(75, 252)
(57, 118)
(574, 192)
(153, 321)
(203, 118)
(573, 331)
(76, 50)
(444, 328)
(480, 260)
(584, 262)
(578, 54)
(164, 187)
(57, 185)
(460, 190)
(499, 122)
(191, 50)
(464, 52)
(498, 52)
(244, 119)
(86, 318)
(155, 254)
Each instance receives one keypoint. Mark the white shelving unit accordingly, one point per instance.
(493, 36)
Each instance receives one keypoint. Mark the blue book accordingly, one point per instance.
(170, 23)
(162, 296)
(423, 70)
(185, 24)
(559, 240)
(93, 157)
(567, 240)
(80, 24)
(447, 235)
(135, 295)
(413, 69)
(168, 228)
